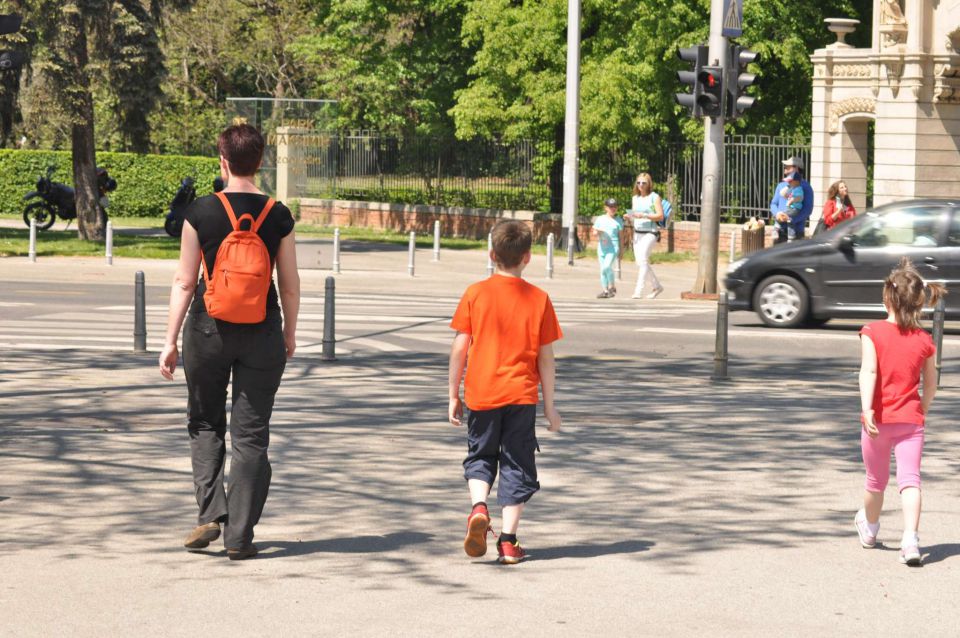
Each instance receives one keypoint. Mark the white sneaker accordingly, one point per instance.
(637, 295)
(655, 293)
(910, 555)
(867, 540)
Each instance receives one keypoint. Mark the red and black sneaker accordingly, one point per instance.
(478, 525)
(510, 553)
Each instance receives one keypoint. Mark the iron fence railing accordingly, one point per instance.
(363, 165)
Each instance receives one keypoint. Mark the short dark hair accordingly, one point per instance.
(511, 241)
(242, 146)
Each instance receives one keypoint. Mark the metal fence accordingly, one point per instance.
(363, 165)
(752, 169)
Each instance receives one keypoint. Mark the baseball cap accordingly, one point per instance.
(793, 161)
(611, 202)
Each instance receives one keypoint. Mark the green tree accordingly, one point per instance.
(220, 49)
(393, 65)
(628, 66)
(103, 46)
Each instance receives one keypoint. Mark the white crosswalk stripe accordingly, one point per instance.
(387, 323)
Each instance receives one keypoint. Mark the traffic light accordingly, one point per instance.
(738, 80)
(711, 87)
(10, 60)
(697, 56)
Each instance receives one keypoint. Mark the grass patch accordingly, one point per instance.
(393, 237)
(65, 243)
(118, 222)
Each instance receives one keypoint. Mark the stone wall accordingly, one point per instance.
(475, 223)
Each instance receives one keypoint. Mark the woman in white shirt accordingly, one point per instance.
(646, 211)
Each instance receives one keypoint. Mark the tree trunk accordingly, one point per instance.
(90, 221)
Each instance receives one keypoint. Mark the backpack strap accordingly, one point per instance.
(235, 223)
(227, 207)
(263, 214)
(255, 224)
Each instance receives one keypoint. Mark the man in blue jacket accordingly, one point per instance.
(779, 202)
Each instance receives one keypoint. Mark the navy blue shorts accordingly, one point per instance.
(503, 437)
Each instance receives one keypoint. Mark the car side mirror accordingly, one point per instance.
(846, 244)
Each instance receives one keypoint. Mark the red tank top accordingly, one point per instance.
(900, 359)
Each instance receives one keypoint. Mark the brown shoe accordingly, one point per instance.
(243, 553)
(202, 535)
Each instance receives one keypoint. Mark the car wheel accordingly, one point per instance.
(781, 301)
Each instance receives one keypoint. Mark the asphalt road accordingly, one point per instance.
(52, 314)
(671, 506)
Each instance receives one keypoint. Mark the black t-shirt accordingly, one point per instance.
(212, 224)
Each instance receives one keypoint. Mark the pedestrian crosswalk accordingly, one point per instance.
(385, 323)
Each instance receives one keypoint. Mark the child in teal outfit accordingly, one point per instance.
(606, 229)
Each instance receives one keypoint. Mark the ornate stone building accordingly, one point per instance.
(908, 85)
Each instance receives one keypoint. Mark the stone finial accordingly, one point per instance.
(841, 26)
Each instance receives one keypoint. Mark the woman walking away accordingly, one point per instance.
(645, 212)
(234, 328)
(897, 353)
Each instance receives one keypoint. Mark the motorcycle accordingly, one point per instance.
(178, 206)
(57, 199)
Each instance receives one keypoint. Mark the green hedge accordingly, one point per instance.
(145, 183)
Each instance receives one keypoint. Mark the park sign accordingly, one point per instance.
(732, 18)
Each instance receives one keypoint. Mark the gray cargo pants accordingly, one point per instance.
(255, 356)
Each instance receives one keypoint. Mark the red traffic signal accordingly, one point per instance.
(711, 98)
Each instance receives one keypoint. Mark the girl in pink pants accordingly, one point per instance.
(896, 353)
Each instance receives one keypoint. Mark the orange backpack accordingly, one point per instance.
(237, 289)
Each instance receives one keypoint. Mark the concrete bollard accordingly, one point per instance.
(720, 349)
(336, 250)
(733, 246)
(939, 316)
(436, 240)
(109, 243)
(412, 249)
(550, 256)
(139, 313)
(489, 254)
(328, 350)
(32, 253)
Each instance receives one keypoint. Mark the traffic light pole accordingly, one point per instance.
(709, 246)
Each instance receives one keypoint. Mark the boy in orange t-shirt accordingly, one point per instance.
(506, 326)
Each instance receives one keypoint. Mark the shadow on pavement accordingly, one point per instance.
(347, 545)
(938, 553)
(589, 550)
(651, 450)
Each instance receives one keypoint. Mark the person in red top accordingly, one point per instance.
(838, 207)
(505, 328)
(896, 354)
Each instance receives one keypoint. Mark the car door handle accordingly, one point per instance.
(929, 260)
